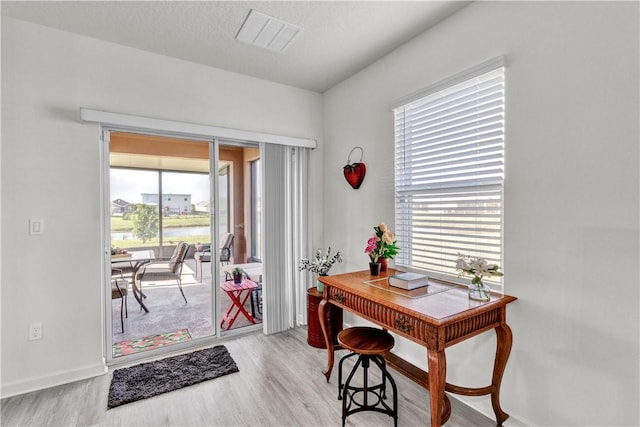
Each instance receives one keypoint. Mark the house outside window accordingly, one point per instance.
(449, 172)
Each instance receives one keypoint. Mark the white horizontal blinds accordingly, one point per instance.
(450, 173)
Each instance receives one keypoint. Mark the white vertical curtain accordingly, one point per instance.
(285, 236)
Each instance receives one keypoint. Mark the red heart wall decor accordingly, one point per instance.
(355, 172)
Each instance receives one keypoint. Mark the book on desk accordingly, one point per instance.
(408, 280)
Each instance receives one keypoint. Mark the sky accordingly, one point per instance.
(128, 185)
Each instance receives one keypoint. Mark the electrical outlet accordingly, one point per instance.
(35, 331)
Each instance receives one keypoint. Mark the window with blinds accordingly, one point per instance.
(449, 172)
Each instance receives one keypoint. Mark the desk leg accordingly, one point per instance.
(504, 340)
(324, 310)
(437, 363)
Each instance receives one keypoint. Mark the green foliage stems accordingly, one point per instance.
(385, 250)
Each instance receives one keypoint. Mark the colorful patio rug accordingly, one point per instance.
(123, 348)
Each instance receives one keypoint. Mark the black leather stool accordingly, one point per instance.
(369, 344)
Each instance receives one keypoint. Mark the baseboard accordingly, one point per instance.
(51, 380)
(485, 409)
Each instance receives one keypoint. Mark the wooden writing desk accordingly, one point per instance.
(436, 317)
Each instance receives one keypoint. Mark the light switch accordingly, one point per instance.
(36, 226)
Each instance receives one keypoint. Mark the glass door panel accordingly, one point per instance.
(239, 191)
(160, 195)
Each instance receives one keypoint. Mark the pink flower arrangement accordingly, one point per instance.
(382, 245)
(372, 249)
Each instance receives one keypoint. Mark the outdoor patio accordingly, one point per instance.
(168, 311)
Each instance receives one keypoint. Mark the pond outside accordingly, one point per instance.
(166, 233)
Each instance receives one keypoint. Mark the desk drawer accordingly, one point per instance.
(388, 318)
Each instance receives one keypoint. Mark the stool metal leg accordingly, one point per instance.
(383, 368)
(347, 399)
(340, 384)
(365, 381)
(348, 392)
(385, 374)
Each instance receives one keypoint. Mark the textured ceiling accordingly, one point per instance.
(339, 38)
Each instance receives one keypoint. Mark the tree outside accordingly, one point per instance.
(146, 223)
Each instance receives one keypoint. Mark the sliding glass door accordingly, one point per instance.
(161, 196)
(240, 306)
(160, 213)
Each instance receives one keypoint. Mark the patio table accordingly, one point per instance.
(239, 293)
(136, 260)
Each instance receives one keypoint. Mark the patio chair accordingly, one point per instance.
(119, 290)
(166, 269)
(225, 249)
(204, 254)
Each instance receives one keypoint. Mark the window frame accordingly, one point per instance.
(255, 204)
(438, 176)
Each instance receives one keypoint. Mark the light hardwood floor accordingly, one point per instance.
(280, 383)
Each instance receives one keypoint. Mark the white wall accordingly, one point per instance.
(571, 197)
(51, 171)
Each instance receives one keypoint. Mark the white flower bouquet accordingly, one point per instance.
(477, 267)
(322, 263)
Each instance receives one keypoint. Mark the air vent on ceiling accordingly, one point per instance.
(267, 32)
